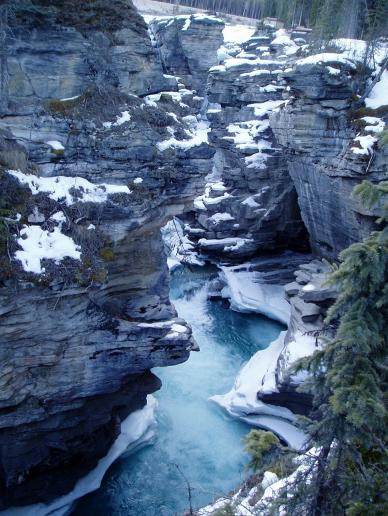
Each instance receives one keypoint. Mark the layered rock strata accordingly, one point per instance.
(250, 203)
(323, 136)
(188, 46)
(98, 149)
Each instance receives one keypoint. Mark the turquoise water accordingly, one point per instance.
(195, 438)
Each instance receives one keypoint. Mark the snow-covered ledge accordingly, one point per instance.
(241, 402)
(249, 291)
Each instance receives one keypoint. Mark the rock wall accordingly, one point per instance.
(89, 173)
(188, 46)
(250, 203)
(318, 130)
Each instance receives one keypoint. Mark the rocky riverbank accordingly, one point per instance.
(107, 131)
(98, 149)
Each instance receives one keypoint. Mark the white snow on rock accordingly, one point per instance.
(220, 217)
(229, 244)
(187, 24)
(138, 180)
(247, 293)
(366, 143)
(120, 120)
(289, 47)
(198, 135)
(244, 133)
(352, 48)
(269, 479)
(179, 248)
(379, 95)
(243, 504)
(37, 244)
(175, 96)
(325, 57)
(241, 402)
(201, 202)
(55, 145)
(355, 49)
(176, 331)
(235, 61)
(333, 71)
(257, 160)
(237, 33)
(263, 108)
(375, 125)
(301, 346)
(137, 430)
(58, 188)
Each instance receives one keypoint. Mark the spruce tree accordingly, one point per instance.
(348, 379)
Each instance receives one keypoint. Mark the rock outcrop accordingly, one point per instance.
(93, 161)
(250, 203)
(318, 130)
(309, 298)
(188, 46)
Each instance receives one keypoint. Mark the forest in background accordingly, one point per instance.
(328, 18)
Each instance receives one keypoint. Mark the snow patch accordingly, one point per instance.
(198, 135)
(325, 57)
(379, 95)
(375, 125)
(120, 120)
(55, 145)
(237, 33)
(70, 189)
(247, 293)
(366, 143)
(38, 244)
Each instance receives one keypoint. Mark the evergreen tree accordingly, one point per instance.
(348, 379)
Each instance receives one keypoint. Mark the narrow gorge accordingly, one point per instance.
(173, 190)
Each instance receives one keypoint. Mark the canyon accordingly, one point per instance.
(110, 128)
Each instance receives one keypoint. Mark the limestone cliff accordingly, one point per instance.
(250, 203)
(318, 130)
(87, 181)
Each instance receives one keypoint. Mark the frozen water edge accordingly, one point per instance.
(247, 293)
(136, 431)
(258, 375)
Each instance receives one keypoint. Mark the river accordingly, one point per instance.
(196, 443)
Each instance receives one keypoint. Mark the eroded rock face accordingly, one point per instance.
(318, 138)
(80, 331)
(309, 297)
(250, 204)
(188, 46)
